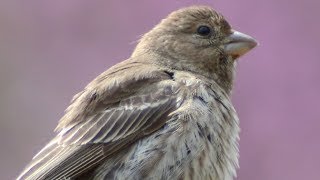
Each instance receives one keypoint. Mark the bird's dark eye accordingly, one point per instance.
(203, 30)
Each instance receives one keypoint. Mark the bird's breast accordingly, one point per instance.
(199, 141)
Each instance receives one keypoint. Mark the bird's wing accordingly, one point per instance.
(122, 105)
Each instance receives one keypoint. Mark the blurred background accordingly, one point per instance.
(49, 50)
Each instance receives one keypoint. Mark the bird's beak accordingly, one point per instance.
(237, 44)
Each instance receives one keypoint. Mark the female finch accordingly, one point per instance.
(164, 113)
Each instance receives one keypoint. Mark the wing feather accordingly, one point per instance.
(106, 119)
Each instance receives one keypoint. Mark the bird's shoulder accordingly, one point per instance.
(121, 82)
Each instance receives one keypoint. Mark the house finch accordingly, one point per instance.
(164, 113)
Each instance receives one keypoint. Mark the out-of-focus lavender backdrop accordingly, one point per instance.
(49, 50)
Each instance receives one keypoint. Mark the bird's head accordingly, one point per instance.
(196, 39)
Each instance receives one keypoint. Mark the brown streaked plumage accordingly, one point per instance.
(164, 113)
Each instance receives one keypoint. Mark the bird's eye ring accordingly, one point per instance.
(203, 30)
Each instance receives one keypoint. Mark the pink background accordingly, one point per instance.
(49, 50)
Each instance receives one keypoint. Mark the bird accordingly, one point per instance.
(163, 113)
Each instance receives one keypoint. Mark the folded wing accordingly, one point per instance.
(122, 105)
